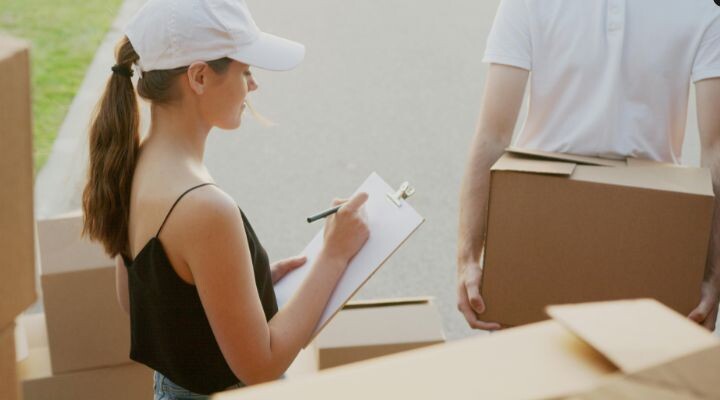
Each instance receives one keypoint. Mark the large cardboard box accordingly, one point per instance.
(583, 351)
(125, 381)
(373, 328)
(86, 326)
(9, 389)
(568, 229)
(17, 230)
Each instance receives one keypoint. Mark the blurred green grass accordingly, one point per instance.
(65, 35)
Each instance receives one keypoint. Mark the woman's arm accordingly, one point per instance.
(121, 284)
(215, 247)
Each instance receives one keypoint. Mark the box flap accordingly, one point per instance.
(512, 162)
(667, 178)
(628, 389)
(586, 160)
(696, 372)
(381, 325)
(634, 334)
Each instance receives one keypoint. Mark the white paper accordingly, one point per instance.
(389, 227)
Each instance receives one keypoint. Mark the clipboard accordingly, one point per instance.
(391, 221)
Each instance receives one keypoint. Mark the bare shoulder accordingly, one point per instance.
(206, 209)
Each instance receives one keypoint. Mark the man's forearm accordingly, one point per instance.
(711, 160)
(474, 194)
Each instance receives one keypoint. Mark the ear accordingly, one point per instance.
(197, 76)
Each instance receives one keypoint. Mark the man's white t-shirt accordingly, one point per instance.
(608, 77)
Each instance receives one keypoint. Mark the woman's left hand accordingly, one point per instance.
(281, 268)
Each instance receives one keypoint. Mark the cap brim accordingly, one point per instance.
(271, 52)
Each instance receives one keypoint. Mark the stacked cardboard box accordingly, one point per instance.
(88, 333)
(39, 381)
(634, 349)
(374, 328)
(8, 375)
(17, 285)
(567, 229)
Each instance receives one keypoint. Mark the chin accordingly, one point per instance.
(230, 125)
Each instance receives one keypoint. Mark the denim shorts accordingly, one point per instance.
(165, 389)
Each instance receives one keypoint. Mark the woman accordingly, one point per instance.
(190, 271)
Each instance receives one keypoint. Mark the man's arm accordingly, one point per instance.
(502, 99)
(708, 99)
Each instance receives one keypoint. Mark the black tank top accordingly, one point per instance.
(170, 332)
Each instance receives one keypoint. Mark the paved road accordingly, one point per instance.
(391, 87)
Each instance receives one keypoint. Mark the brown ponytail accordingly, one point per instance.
(114, 145)
(115, 142)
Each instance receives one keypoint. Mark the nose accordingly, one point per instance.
(252, 84)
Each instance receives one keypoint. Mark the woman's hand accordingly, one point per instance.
(281, 268)
(347, 230)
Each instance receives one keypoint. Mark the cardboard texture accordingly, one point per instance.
(375, 328)
(126, 381)
(122, 382)
(63, 249)
(579, 233)
(9, 389)
(536, 361)
(86, 326)
(16, 174)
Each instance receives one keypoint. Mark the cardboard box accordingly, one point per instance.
(63, 249)
(9, 389)
(121, 382)
(370, 329)
(585, 349)
(126, 381)
(16, 174)
(86, 326)
(567, 229)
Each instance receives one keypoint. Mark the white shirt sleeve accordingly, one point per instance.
(509, 40)
(707, 58)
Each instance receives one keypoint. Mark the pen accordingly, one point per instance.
(326, 213)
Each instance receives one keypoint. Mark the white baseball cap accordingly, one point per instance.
(168, 34)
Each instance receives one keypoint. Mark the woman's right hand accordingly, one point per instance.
(346, 231)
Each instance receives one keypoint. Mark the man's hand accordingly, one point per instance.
(281, 268)
(470, 303)
(706, 313)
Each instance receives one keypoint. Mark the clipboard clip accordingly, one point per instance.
(403, 193)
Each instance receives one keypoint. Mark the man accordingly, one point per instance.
(609, 78)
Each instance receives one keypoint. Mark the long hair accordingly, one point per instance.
(114, 146)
